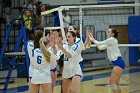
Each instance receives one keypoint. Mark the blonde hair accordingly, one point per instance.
(43, 42)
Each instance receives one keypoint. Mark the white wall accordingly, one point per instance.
(137, 8)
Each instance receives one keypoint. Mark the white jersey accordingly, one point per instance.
(41, 68)
(111, 44)
(30, 47)
(53, 59)
(71, 65)
(81, 45)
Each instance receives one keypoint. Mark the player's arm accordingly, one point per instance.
(102, 47)
(107, 42)
(72, 53)
(60, 46)
(87, 42)
(68, 54)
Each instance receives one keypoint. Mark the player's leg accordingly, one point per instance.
(34, 88)
(115, 78)
(54, 77)
(46, 88)
(75, 86)
(66, 84)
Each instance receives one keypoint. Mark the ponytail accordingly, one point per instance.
(46, 53)
(116, 33)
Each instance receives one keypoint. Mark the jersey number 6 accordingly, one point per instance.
(38, 57)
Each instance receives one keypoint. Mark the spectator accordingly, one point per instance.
(56, 19)
(28, 22)
(66, 18)
(28, 4)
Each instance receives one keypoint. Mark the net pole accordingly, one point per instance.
(62, 23)
(80, 19)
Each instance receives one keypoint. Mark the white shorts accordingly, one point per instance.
(72, 70)
(41, 77)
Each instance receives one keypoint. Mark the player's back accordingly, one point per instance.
(39, 60)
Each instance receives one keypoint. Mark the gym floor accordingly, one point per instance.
(93, 82)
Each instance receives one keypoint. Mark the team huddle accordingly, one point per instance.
(47, 47)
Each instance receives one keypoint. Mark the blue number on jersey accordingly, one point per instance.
(32, 52)
(39, 59)
(66, 58)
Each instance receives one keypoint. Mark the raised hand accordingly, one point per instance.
(91, 36)
(52, 40)
(87, 35)
(87, 43)
(55, 36)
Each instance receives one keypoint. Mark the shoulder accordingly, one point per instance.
(78, 40)
(75, 46)
(111, 39)
(65, 44)
(30, 44)
(38, 50)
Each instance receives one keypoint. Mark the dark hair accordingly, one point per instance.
(37, 35)
(47, 31)
(39, 28)
(115, 31)
(64, 11)
(77, 30)
(73, 34)
(60, 34)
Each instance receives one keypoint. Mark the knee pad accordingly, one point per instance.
(114, 86)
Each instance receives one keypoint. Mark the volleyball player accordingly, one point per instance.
(72, 72)
(30, 47)
(41, 76)
(114, 55)
(81, 41)
(53, 49)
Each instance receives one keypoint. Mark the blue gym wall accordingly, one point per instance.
(134, 38)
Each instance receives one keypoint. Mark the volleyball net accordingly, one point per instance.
(99, 18)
